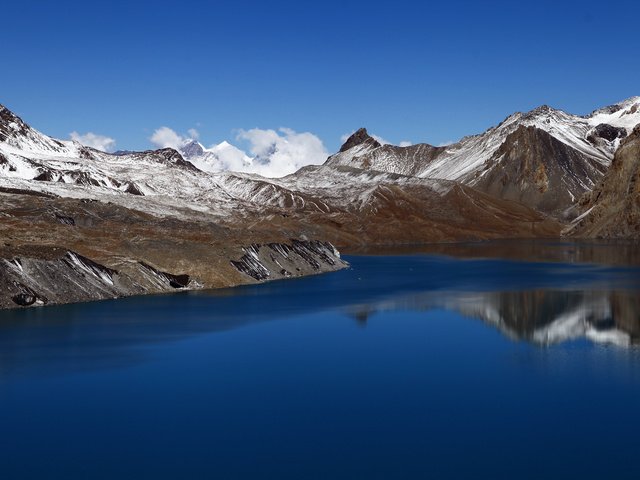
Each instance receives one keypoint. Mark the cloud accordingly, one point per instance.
(164, 137)
(230, 158)
(282, 152)
(381, 140)
(446, 144)
(270, 153)
(93, 140)
(406, 143)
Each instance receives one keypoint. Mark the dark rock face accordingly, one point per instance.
(192, 149)
(174, 281)
(133, 189)
(64, 219)
(24, 299)
(26, 296)
(607, 132)
(534, 168)
(358, 138)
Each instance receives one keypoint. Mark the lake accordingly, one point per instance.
(419, 365)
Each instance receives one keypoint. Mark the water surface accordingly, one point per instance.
(410, 366)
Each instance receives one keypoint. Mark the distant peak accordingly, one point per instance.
(192, 148)
(616, 107)
(359, 137)
(541, 110)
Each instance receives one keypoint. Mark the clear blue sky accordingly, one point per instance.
(419, 71)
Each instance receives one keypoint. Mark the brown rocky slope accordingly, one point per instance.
(612, 208)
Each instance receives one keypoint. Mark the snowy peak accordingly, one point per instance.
(546, 158)
(16, 133)
(357, 145)
(624, 115)
(624, 106)
(217, 158)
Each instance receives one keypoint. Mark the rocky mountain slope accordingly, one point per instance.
(612, 208)
(545, 158)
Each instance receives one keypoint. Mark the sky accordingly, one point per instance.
(113, 73)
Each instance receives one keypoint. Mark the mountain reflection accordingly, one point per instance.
(543, 317)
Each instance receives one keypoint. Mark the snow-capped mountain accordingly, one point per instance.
(345, 200)
(545, 158)
(218, 158)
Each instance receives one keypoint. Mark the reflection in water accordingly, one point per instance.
(540, 316)
(604, 252)
(543, 303)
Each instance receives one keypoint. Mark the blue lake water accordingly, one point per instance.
(411, 366)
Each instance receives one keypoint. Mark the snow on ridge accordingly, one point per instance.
(31, 153)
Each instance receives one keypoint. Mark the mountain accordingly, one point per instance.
(612, 208)
(109, 225)
(545, 158)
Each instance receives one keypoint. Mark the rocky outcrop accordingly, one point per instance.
(612, 209)
(359, 138)
(49, 275)
(606, 132)
(277, 260)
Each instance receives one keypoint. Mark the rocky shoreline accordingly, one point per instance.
(53, 276)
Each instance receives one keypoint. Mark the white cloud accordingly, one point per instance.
(164, 137)
(231, 157)
(270, 153)
(279, 153)
(446, 144)
(381, 140)
(406, 143)
(93, 140)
